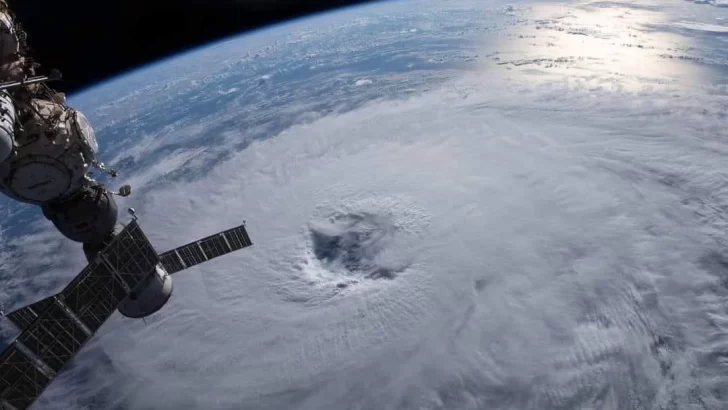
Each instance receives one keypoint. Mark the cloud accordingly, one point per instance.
(555, 245)
(544, 229)
(707, 28)
(716, 3)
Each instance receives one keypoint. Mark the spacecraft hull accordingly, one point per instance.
(149, 296)
(52, 157)
(9, 44)
(7, 126)
(47, 148)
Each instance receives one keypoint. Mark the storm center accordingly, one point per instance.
(349, 244)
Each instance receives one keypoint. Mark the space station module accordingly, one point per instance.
(9, 51)
(52, 151)
(46, 147)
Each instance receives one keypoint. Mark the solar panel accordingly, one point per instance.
(205, 249)
(23, 317)
(172, 262)
(54, 337)
(214, 246)
(133, 257)
(130, 255)
(94, 295)
(56, 328)
(191, 254)
(21, 382)
(237, 237)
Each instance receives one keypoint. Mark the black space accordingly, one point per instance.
(92, 40)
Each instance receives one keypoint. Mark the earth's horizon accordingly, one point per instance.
(454, 205)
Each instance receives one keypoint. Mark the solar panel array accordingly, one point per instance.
(205, 249)
(22, 318)
(21, 382)
(131, 255)
(56, 328)
(237, 237)
(54, 337)
(94, 295)
(171, 262)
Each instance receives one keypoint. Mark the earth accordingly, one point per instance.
(454, 205)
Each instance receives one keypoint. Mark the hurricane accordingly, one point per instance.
(458, 205)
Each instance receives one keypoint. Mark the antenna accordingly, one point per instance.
(27, 81)
(124, 191)
(103, 168)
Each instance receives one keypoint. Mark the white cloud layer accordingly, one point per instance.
(552, 246)
(490, 243)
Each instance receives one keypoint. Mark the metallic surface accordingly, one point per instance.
(7, 124)
(54, 154)
(47, 148)
(149, 296)
(205, 249)
(23, 317)
(89, 217)
(9, 44)
(56, 328)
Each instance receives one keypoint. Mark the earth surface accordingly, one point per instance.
(454, 204)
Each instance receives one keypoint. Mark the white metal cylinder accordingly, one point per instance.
(7, 126)
(9, 44)
(149, 296)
